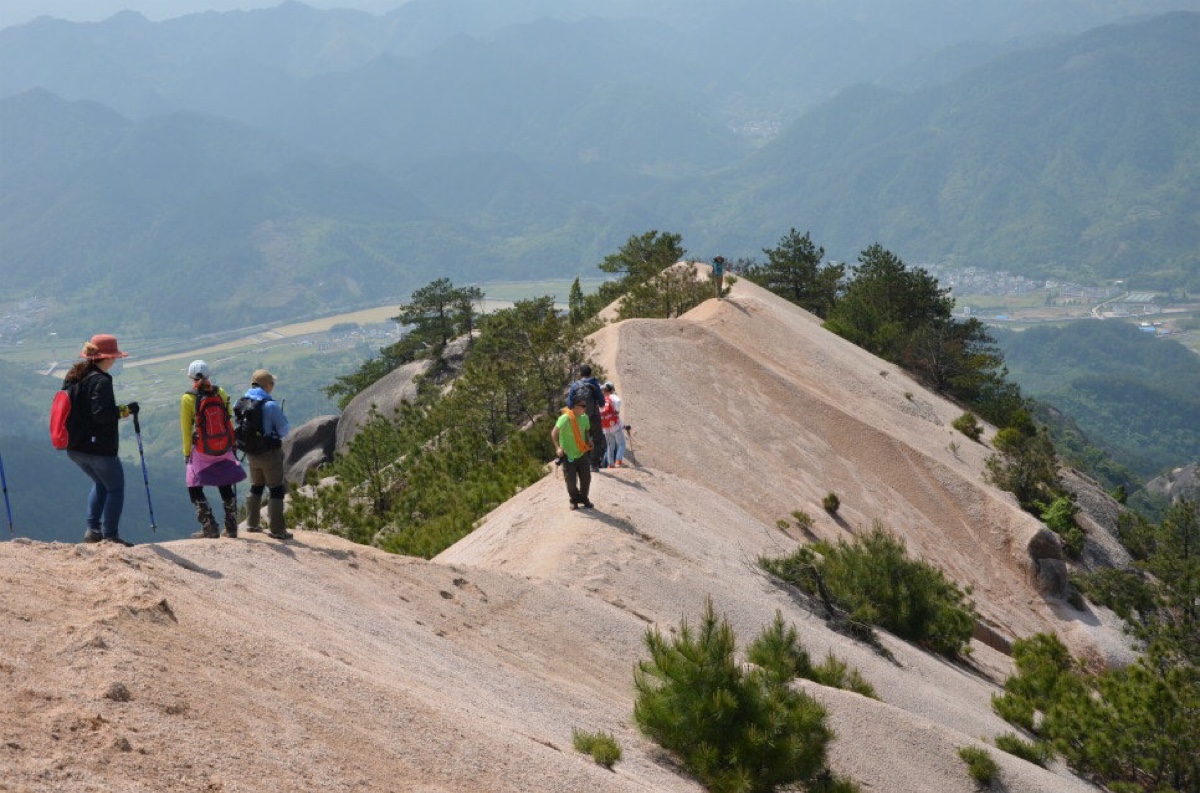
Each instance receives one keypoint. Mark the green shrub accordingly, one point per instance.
(874, 581)
(831, 503)
(1036, 752)
(968, 425)
(602, 746)
(980, 765)
(803, 520)
(1131, 726)
(836, 673)
(734, 730)
(1026, 465)
(1126, 592)
(780, 654)
(1059, 517)
(781, 524)
(828, 783)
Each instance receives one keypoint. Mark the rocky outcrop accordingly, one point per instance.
(309, 447)
(385, 395)
(1098, 516)
(389, 392)
(1181, 483)
(1049, 565)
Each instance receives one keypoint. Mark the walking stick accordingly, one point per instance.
(137, 430)
(7, 506)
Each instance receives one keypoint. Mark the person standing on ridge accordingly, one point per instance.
(587, 390)
(94, 437)
(570, 445)
(718, 273)
(614, 428)
(208, 451)
(266, 467)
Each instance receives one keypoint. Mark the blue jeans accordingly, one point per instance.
(107, 496)
(614, 447)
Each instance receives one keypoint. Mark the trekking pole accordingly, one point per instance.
(7, 506)
(137, 430)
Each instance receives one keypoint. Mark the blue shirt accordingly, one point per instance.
(274, 422)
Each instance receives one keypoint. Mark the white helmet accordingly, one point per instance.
(198, 370)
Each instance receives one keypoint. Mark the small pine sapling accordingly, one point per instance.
(602, 746)
(980, 765)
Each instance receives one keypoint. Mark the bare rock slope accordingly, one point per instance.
(318, 665)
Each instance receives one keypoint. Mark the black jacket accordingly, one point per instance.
(92, 426)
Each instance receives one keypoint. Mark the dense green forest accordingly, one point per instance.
(1133, 395)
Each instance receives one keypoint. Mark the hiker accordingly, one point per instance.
(94, 435)
(208, 451)
(587, 390)
(613, 426)
(266, 467)
(570, 445)
(718, 273)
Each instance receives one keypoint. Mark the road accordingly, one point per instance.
(362, 317)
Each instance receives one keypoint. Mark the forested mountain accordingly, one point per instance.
(1077, 160)
(1134, 395)
(341, 157)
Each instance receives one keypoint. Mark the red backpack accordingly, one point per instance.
(213, 431)
(60, 414)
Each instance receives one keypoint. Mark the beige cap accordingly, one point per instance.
(262, 378)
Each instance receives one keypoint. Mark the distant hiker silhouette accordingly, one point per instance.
(718, 273)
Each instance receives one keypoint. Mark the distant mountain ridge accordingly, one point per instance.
(1074, 159)
(535, 150)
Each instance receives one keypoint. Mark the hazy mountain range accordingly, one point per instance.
(342, 157)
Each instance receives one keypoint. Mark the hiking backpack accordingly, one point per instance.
(248, 427)
(589, 392)
(60, 417)
(212, 433)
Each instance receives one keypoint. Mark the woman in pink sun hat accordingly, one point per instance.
(93, 436)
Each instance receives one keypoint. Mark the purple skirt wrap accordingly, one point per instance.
(205, 470)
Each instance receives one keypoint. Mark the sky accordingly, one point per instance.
(18, 12)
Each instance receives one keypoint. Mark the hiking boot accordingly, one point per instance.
(283, 535)
(275, 519)
(208, 524)
(230, 519)
(587, 505)
(92, 536)
(118, 541)
(254, 513)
